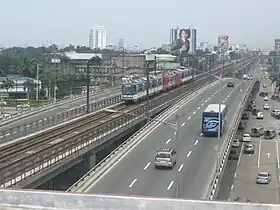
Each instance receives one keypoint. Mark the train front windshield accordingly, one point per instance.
(129, 89)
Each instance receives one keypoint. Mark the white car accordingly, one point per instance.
(266, 107)
(3, 103)
(246, 137)
(260, 115)
(23, 106)
(265, 98)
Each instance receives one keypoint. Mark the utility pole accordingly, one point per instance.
(177, 163)
(37, 82)
(123, 61)
(88, 84)
(147, 87)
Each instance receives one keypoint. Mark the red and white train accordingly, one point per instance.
(134, 89)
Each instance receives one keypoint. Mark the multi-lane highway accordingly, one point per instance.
(58, 109)
(265, 159)
(135, 173)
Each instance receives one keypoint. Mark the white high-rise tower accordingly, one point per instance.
(100, 37)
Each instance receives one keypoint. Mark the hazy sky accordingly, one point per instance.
(145, 23)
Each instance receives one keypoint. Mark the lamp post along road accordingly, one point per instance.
(176, 127)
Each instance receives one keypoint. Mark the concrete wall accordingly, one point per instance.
(20, 199)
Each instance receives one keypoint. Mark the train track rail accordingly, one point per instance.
(29, 153)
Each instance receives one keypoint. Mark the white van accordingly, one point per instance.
(260, 115)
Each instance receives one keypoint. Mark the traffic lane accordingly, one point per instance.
(205, 156)
(141, 175)
(119, 179)
(244, 184)
(191, 163)
(55, 110)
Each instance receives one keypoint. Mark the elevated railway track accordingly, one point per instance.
(28, 157)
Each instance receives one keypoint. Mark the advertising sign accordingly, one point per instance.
(223, 42)
(277, 44)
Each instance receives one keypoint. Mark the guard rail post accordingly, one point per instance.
(216, 180)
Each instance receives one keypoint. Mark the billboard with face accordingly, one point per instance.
(181, 46)
(223, 42)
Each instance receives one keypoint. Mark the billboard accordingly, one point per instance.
(223, 43)
(181, 46)
(277, 44)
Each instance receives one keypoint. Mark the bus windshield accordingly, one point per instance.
(128, 89)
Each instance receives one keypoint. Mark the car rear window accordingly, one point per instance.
(163, 155)
(246, 135)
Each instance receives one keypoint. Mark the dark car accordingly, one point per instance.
(230, 84)
(245, 116)
(241, 125)
(233, 155)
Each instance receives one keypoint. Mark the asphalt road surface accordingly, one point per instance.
(55, 110)
(265, 159)
(135, 174)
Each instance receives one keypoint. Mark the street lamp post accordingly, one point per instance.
(176, 127)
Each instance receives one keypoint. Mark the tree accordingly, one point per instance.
(7, 84)
(29, 87)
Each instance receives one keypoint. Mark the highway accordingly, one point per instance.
(58, 109)
(135, 173)
(265, 159)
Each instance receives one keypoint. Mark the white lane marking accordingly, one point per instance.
(259, 154)
(189, 118)
(148, 164)
(277, 152)
(194, 112)
(195, 143)
(168, 141)
(235, 175)
(206, 101)
(223, 102)
(189, 154)
(183, 124)
(132, 183)
(170, 185)
(209, 98)
(175, 133)
(201, 134)
(181, 166)
(202, 104)
(198, 108)
(231, 188)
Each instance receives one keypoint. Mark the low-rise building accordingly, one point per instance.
(20, 87)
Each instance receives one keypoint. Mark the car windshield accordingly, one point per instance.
(246, 135)
(249, 146)
(262, 175)
(163, 155)
(235, 141)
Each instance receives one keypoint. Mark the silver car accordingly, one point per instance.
(263, 178)
(235, 143)
(249, 149)
(165, 158)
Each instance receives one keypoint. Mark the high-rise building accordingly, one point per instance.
(174, 34)
(121, 44)
(100, 37)
(193, 41)
(90, 38)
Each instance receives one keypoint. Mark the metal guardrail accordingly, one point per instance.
(213, 190)
(36, 163)
(29, 128)
(23, 171)
(26, 129)
(25, 112)
(82, 184)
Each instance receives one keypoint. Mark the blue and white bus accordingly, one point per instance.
(210, 120)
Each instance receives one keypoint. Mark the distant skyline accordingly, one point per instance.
(143, 23)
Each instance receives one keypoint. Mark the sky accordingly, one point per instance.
(145, 23)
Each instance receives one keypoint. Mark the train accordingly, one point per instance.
(134, 88)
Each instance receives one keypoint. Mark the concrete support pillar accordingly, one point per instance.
(91, 160)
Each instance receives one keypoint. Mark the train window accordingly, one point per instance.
(141, 88)
(154, 83)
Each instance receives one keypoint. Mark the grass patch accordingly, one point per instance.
(13, 102)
